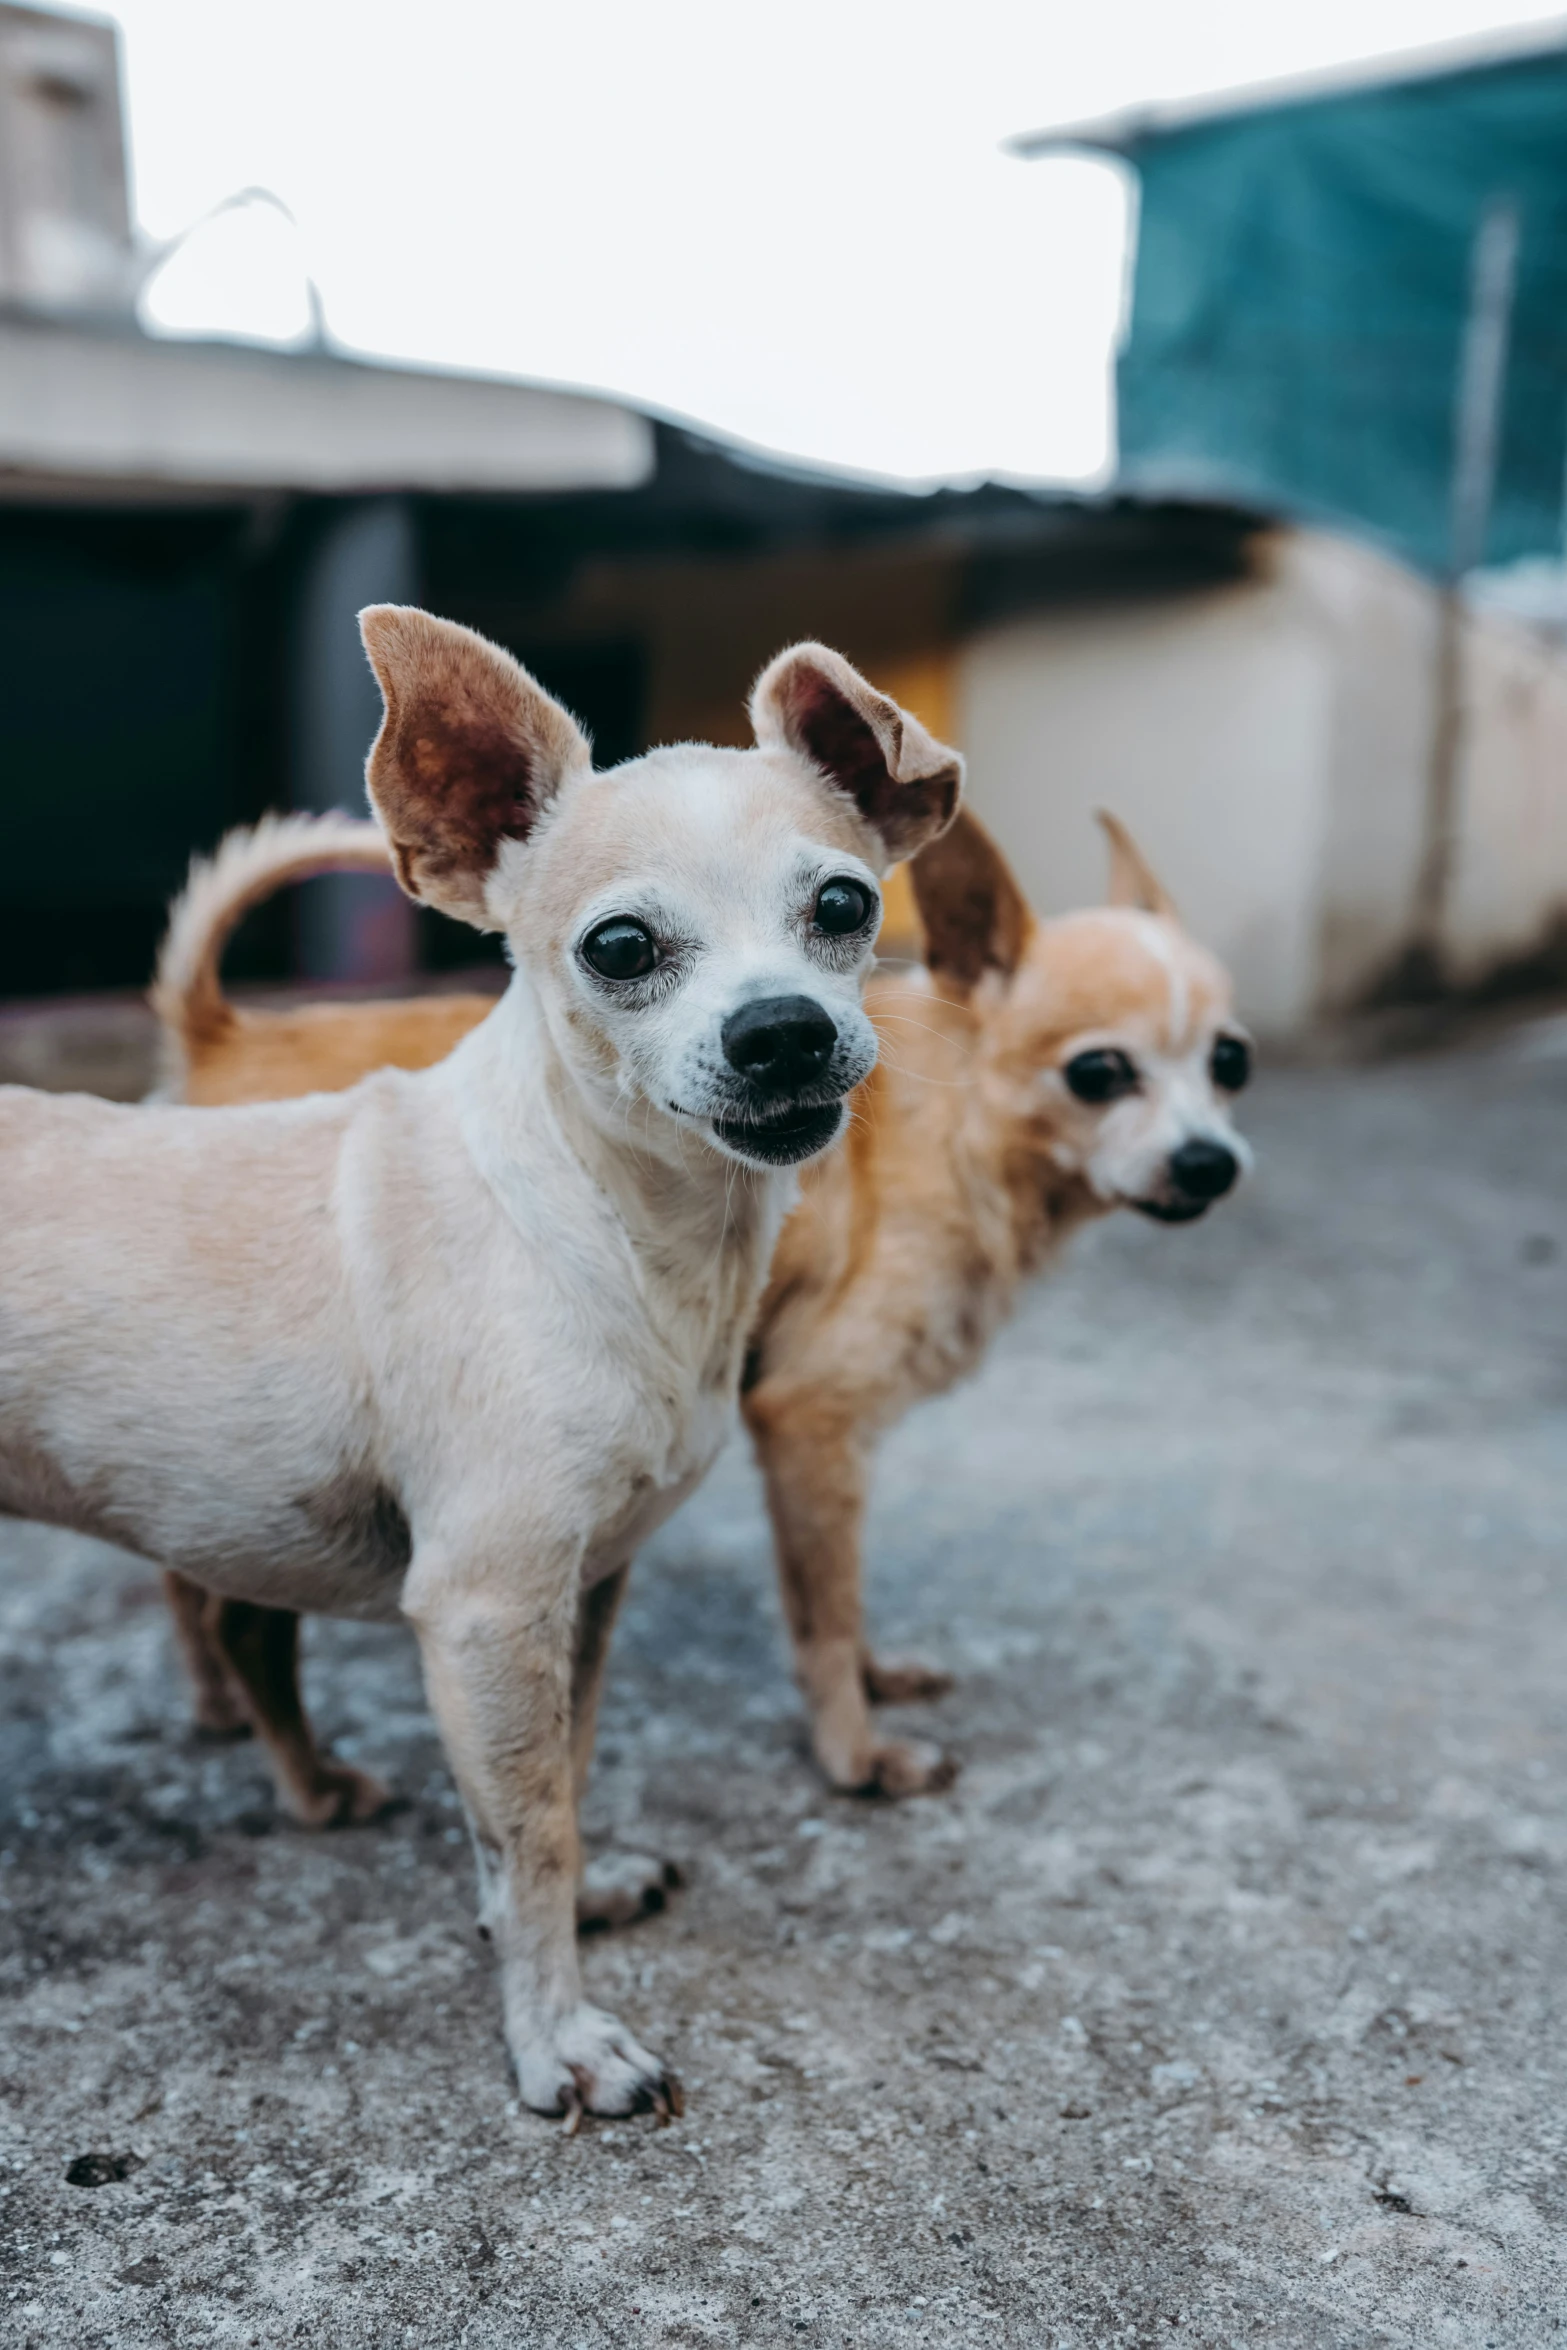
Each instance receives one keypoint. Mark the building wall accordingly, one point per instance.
(1510, 875)
(1203, 723)
(65, 225)
(1376, 625)
(1270, 745)
(120, 734)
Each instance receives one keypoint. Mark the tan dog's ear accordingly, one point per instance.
(1133, 881)
(904, 783)
(975, 917)
(470, 753)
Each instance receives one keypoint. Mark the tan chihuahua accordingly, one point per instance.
(1033, 1076)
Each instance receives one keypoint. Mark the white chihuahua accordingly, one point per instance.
(449, 1345)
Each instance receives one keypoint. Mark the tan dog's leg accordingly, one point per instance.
(618, 1887)
(814, 1469)
(260, 1646)
(219, 1708)
(500, 1678)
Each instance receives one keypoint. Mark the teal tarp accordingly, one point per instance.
(1301, 287)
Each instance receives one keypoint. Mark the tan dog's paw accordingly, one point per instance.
(590, 2063)
(338, 1796)
(620, 1887)
(908, 1766)
(899, 1680)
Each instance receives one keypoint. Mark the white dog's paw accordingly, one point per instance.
(589, 2063)
(620, 1887)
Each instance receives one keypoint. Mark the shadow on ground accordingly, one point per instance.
(1220, 2002)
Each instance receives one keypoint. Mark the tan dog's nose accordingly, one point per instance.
(1203, 1170)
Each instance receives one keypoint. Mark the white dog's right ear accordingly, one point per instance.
(904, 783)
(470, 753)
(1133, 881)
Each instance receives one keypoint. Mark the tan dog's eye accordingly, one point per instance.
(1101, 1076)
(619, 949)
(842, 906)
(1229, 1064)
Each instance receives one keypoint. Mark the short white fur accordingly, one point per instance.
(448, 1345)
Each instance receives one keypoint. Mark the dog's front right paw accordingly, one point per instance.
(589, 2063)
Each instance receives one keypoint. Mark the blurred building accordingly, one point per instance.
(1304, 288)
(187, 528)
(1349, 314)
(65, 222)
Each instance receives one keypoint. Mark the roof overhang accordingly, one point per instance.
(87, 412)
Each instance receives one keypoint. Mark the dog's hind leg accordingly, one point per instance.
(260, 1646)
(813, 1465)
(616, 1888)
(219, 1707)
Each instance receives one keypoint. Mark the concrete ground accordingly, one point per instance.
(1220, 2002)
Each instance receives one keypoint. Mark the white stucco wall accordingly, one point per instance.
(1378, 626)
(1269, 743)
(1204, 723)
(1510, 869)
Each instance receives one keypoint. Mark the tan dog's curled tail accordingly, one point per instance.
(249, 864)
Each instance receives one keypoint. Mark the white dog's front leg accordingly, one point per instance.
(500, 1684)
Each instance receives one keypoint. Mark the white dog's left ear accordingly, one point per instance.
(904, 783)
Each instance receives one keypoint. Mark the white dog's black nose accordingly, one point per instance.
(780, 1043)
(1203, 1170)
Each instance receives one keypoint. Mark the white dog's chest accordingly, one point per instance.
(656, 1490)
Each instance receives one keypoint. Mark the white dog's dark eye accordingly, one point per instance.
(620, 949)
(1229, 1064)
(842, 906)
(1101, 1076)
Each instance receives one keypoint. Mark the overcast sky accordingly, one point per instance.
(792, 222)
